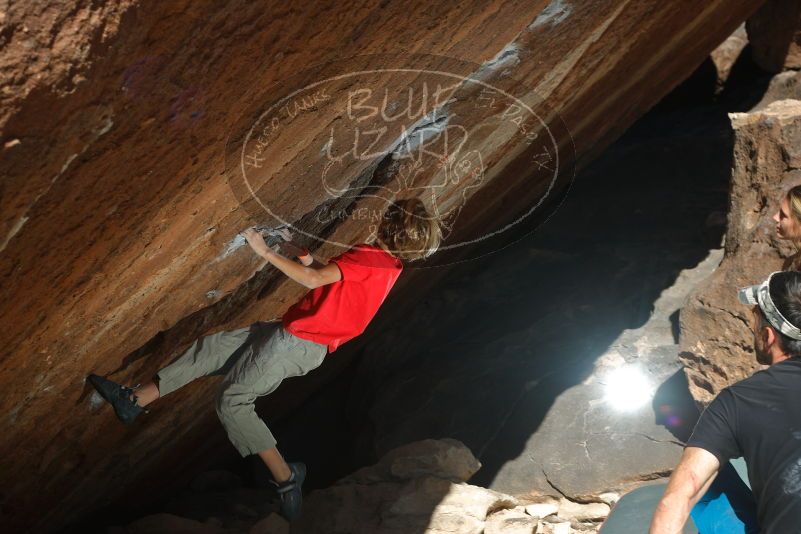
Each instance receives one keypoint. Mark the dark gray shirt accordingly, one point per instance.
(759, 418)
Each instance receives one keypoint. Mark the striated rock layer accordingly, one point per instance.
(716, 341)
(118, 223)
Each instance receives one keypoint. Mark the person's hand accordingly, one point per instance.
(283, 233)
(256, 241)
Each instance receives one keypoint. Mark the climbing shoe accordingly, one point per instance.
(118, 396)
(291, 492)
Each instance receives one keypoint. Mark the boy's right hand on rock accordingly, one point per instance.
(281, 232)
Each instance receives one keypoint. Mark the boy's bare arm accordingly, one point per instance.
(301, 253)
(289, 248)
(309, 276)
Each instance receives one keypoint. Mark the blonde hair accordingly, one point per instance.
(409, 231)
(794, 200)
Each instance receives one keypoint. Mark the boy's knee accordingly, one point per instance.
(229, 402)
(245, 429)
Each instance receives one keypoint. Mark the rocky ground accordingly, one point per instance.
(417, 488)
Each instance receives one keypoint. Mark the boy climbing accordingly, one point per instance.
(344, 295)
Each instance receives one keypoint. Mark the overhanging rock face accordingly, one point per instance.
(119, 220)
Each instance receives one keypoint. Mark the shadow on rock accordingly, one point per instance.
(674, 407)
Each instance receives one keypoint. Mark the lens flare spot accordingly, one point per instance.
(627, 388)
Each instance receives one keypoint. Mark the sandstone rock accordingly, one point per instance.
(447, 507)
(783, 86)
(548, 527)
(447, 458)
(775, 35)
(272, 524)
(449, 498)
(510, 522)
(716, 343)
(171, 524)
(582, 512)
(609, 498)
(543, 509)
(139, 267)
(726, 54)
(416, 501)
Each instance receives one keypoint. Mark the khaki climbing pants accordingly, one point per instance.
(254, 361)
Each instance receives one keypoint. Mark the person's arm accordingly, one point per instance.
(310, 277)
(289, 248)
(302, 254)
(688, 483)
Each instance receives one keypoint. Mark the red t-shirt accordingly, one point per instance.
(334, 313)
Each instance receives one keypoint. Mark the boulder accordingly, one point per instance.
(420, 496)
(573, 511)
(510, 522)
(115, 267)
(554, 527)
(726, 54)
(447, 458)
(784, 86)
(609, 497)
(774, 32)
(716, 342)
(543, 509)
